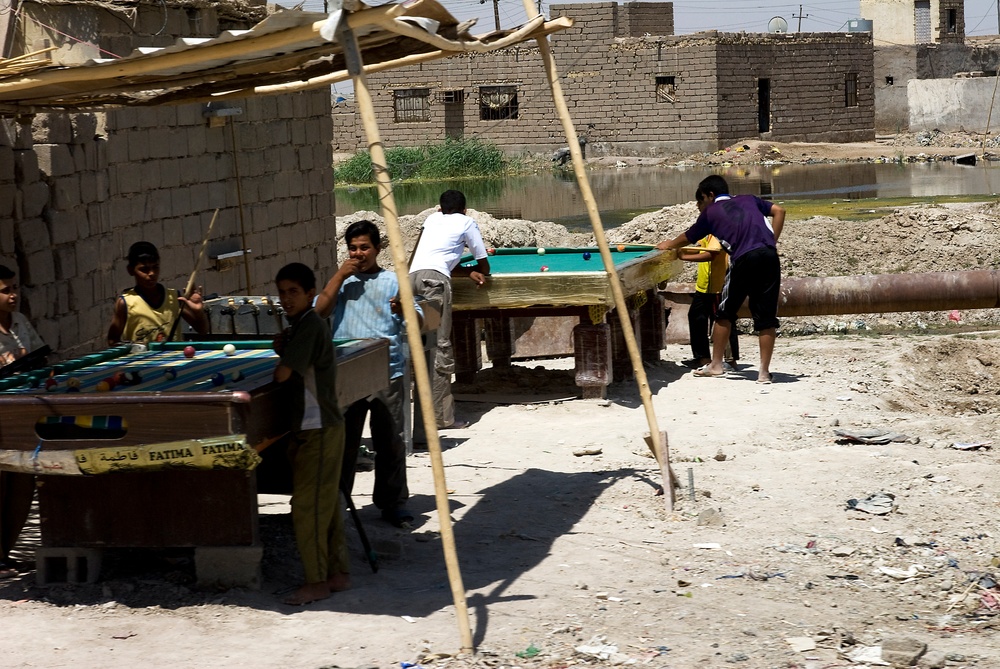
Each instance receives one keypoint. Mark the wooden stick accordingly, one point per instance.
(602, 243)
(194, 273)
(363, 97)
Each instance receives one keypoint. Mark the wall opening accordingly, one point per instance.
(763, 105)
(498, 103)
(851, 90)
(411, 105)
(951, 21)
(922, 21)
(666, 89)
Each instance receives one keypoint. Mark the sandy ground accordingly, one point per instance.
(569, 556)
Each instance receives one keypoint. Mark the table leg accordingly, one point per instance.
(653, 327)
(499, 341)
(592, 353)
(466, 345)
(622, 363)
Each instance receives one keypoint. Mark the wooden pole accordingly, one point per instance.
(658, 447)
(352, 54)
(239, 200)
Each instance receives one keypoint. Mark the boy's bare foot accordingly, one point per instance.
(310, 592)
(339, 582)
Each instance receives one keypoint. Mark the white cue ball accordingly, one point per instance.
(229, 349)
(541, 252)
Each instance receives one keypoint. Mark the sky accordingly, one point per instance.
(724, 15)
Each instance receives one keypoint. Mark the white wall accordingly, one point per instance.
(952, 104)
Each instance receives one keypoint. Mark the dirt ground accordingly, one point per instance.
(570, 558)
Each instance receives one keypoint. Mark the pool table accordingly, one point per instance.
(142, 420)
(559, 302)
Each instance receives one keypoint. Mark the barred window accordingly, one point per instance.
(412, 104)
(497, 103)
(851, 90)
(453, 97)
(666, 89)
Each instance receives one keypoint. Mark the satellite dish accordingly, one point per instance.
(777, 25)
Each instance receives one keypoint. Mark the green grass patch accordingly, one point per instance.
(869, 208)
(453, 159)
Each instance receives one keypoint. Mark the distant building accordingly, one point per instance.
(901, 22)
(633, 87)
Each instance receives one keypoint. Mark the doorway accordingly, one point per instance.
(763, 105)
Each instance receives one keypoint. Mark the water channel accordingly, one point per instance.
(625, 193)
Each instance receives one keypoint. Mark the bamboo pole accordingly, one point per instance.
(365, 107)
(658, 447)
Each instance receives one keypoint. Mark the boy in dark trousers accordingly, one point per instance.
(307, 372)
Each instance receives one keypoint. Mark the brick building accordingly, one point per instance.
(76, 189)
(633, 87)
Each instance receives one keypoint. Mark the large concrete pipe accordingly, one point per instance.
(881, 293)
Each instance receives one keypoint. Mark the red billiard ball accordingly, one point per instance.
(545, 268)
(491, 251)
(189, 351)
(118, 378)
(51, 384)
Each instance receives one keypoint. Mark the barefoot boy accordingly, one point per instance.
(307, 372)
(148, 311)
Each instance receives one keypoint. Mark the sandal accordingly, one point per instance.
(397, 517)
(703, 371)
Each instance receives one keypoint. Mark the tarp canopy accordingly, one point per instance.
(288, 51)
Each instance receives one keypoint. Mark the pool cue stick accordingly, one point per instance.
(194, 273)
(260, 446)
(369, 553)
(362, 96)
(582, 180)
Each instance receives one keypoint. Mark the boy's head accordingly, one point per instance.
(296, 288)
(710, 188)
(144, 265)
(363, 244)
(8, 289)
(452, 202)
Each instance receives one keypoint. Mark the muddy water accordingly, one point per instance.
(623, 194)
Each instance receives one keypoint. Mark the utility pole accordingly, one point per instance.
(496, 12)
(801, 16)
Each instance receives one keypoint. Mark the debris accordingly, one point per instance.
(530, 651)
(971, 446)
(707, 546)
(720, 456)
(870, 436)
(879, 503)
(867, 655)
(902, 650)
(587, 450)
(801, 644)
(842, 551)
(914, 571)
(711, 518)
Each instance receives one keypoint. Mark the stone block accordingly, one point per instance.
(88, 257)
(65, 192)
(149, 175)
(54, 160)
(160, 204)
(180, 202)
(8, 132)
(84, 128)
(138, 146)
(34, 199)
(126, 179)
(217, 194)
(178, 143)
(902, 650)
(54, 128)
(190, 115)
(64, 226)
(40, 268)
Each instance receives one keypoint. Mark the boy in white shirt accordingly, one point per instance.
(17, 337)
(439, 248)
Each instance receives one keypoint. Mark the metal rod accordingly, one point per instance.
(691, 483)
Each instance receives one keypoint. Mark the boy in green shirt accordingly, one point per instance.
(307, 369)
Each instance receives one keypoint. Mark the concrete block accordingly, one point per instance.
(149, 174)
(65, 192)
(26, 167)
(902, 650)
(34, 199)
(159, 204)
(180, 202)
(6, 231)
(40, 268)
(138, 146)
(54, 128)
(190, 115)
(84, 128)
(25, 140)
(64, 226)
(126, 179)
(54, 160)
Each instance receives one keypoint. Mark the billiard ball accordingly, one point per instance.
(51, 384)
(118, 378)
(621, 247)
(104, 386)
(491, 251)
(73, 383)
(545, 268)
(170, 374)
(541, 251)
(189, 351)
(237, 375)
(131, 378)
(218, 379)
(586, 255)
(229, 349)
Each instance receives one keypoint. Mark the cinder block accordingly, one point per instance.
(67, 565)
(52, 128)
(228, 566)
(54, 160)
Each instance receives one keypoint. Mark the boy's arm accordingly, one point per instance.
(691, 256)
(193, 310)
(477, 273)
(282, 373)
(327, 298)
(777, 220)
(675, 243)
(118, 320)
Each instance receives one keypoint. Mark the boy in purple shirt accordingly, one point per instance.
(741, 226)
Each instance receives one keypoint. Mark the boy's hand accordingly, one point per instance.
(394, 305)
(349, 267)
(279, 341)
(194, 301)
(478, 277)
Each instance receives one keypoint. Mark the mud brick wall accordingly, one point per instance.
(609, 79)
(943, 35)
(79, 189)
(807, 82)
